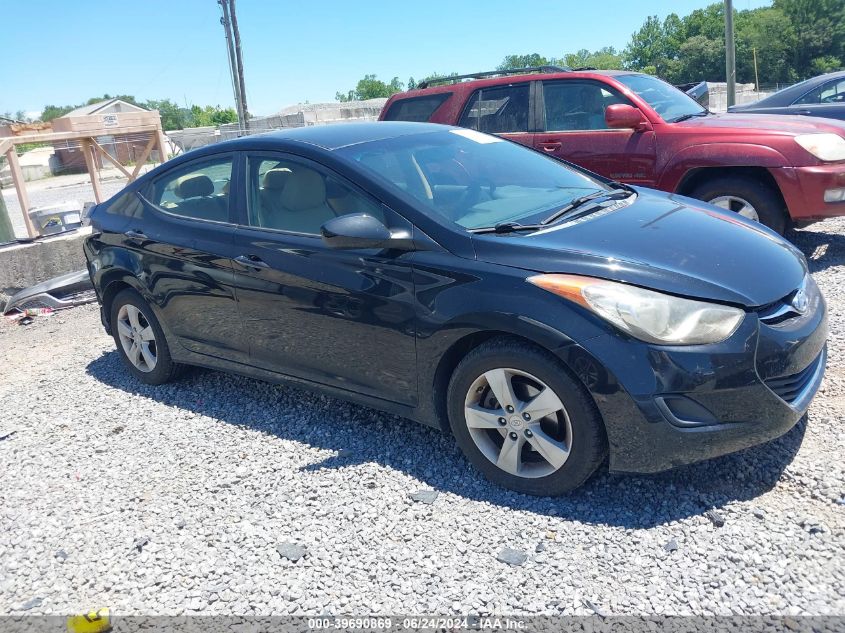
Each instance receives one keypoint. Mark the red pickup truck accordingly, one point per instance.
(780, 170)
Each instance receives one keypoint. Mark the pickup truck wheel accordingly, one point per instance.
(747, 197)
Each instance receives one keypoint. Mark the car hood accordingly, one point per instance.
(665, 242)
(790, 125)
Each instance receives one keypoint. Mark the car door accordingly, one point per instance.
(573, 128)
(504, 110)
(344, 318)
(828, 100)
(185, 238)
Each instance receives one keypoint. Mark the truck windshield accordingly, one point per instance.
(669, 102)
(472, 179)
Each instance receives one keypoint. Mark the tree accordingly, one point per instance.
(371, 88)
(819, 33)
(51, 112)
(512, 62)
(172, 116)
(606, 58)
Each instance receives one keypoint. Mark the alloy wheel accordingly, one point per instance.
(518, 422)
(737, 205)
(137, 338)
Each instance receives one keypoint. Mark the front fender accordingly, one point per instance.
(719, 155)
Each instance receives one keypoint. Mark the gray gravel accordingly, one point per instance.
(197, 496)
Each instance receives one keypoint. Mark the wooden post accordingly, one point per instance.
(20, 187)
(92, 170)
(143, 158)
(162, 146)
(110, 158)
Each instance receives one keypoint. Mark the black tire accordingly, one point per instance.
(165, 369)
(765, 200)
(588, 442)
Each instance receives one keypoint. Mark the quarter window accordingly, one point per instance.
(298, 197)
(498, 110)
(200, 190)
(416, 108)
(572, 105)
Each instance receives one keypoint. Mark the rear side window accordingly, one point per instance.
(831, 92)
(199, 190)
(416, 108)
(498, 109)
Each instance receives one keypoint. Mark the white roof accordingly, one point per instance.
(105, 107)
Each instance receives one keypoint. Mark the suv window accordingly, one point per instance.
(416, 108)
(299, 197)
(577, 105)
(831, 92)
(199, 190)
(498, 109)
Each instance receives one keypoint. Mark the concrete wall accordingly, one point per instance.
(24, 265)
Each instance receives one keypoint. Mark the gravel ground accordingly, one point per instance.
(221, 494)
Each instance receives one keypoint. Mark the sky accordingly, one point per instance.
(70, 51)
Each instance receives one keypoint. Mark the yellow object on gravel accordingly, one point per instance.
(93, 622)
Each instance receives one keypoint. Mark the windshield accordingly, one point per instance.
(669, 102)
(472, 179)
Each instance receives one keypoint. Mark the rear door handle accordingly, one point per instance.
(135, 234)
(252, 261)
(551, 146)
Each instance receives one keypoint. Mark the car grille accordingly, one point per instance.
(790, 387)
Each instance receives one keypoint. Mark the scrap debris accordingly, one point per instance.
(27, 316)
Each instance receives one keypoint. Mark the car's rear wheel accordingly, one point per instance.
(747, 197)
(521, 419)
(140, 339)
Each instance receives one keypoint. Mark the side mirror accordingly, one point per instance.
(620, 116)
(356, 230)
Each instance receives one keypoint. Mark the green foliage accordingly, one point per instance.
(211, 115)
(512, 62)
(371, 87)
(51, 112)
(606, 58)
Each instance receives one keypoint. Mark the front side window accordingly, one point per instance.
(577, 105)
(472, 179)
(199, 190)
(498, 110)
(669, 102)
(831, 92)
(299, 197)
(416, 108)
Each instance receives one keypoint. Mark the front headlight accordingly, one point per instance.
(650, 316)
(826, 147)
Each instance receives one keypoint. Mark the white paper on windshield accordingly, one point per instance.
(478, 137)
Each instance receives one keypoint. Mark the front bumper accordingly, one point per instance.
(668, 406)
(803, 190)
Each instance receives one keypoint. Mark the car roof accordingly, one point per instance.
(328, 137)
(472, 84)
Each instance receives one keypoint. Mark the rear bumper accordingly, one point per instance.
(668, 406)
(803, 190)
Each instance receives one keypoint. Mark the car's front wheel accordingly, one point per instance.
(140, 339)
(747, 197)
(523, 420)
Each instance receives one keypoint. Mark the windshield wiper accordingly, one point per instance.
(561, 213)
(684, 117)
(508, 227)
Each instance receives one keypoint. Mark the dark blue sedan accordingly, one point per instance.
(822, 96)
(545, 316)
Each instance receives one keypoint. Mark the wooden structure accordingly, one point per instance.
(85, 130)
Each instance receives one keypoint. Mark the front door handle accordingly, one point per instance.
(551, 146)
(252, 261)
(136, 234)
(805, 112)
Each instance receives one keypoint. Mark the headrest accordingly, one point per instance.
(305, 189)
(276, 179)
(194, 186)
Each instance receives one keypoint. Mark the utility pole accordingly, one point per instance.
(240, 63)
(730, 52)
(756, 76)
(233, 46)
